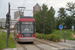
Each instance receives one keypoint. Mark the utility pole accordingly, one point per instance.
(8, 23)
(9, 18)
(43, 26)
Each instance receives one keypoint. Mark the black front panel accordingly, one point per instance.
(27, 29)
(27, 35)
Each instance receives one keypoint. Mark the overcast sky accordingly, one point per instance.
(29, 5)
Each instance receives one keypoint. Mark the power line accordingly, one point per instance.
(24, 2)
(24, 10)
(46, 1)
(31, 13)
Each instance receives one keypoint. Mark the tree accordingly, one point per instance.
(38, 21)
(68, 22)
(39, 18)
(62, 16)
(50, 20)
(45, 18)
(71, 8)
(62, 13)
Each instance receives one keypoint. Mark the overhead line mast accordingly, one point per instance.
(8, 23)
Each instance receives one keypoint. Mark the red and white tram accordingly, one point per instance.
(24, 29)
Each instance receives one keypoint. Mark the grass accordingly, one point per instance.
(68, 33)
(3, 38)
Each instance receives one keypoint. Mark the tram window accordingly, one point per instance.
(27, 28)
(18, 29)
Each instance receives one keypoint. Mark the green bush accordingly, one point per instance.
(54, 38)
(51, 37)
(48, 37)
(58, 39)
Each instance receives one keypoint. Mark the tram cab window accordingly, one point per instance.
(27, 27)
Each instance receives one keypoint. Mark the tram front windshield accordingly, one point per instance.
(27, 27)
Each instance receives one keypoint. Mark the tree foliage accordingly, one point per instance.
(45, 18)
(62, 13)
(66, 15)
(71, 8)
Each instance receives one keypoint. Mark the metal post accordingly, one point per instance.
(8, 25)
(43, 26)
(9, 21)
(64, 35)
(7, 37)
(60, 34)
(72, 30)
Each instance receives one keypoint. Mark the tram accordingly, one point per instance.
(24, 29)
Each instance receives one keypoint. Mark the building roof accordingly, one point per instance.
(37, 4)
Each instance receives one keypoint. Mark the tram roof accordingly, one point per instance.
(26, 17)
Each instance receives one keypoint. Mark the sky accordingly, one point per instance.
(28, 4)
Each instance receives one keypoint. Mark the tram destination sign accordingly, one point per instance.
(26, 22)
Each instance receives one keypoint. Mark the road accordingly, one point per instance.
(41, 44)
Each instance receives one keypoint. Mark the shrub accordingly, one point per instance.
(48, 37)
(40, 36)
(58, 38)
(51, 37)
(54, 38)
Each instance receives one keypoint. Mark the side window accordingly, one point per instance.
(18, 28)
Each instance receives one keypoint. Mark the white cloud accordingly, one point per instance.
(29, 5)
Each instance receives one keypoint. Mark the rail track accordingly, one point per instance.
(51, 45)
(68, 46)
(38, 45)
(24, 47)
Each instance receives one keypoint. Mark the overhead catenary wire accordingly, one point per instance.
(30, 13)
(46, 1)
(41, 6)
(24, 2)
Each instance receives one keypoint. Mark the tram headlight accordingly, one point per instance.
(32, 35)
(22, 35)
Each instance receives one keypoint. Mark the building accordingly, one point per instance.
(17, 14)
(13, 22)
(2, 22)
(37, 7)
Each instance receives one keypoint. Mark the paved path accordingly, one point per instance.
(69, 41)
(10, 49)
(41, 44)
